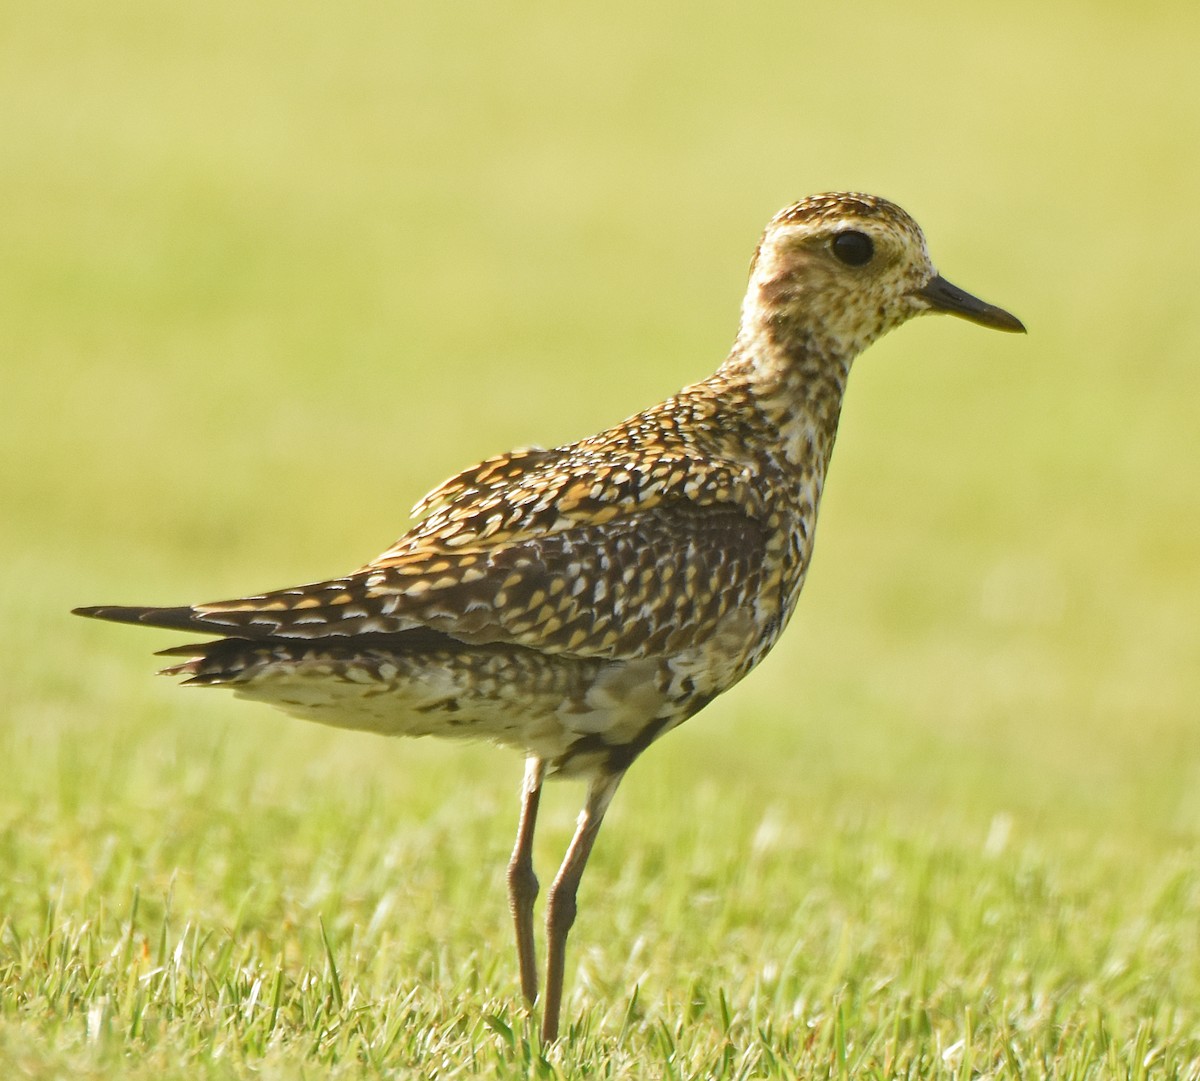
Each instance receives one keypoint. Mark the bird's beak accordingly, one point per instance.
(941, 296)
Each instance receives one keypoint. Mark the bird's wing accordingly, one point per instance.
(593, 559)
(658, 579)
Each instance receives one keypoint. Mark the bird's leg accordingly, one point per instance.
(560, 905)
(522, 882)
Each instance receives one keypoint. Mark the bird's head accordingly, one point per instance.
(834, 272)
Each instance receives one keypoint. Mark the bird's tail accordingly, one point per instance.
(240, 653)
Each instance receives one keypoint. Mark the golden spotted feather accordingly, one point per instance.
(633, 543)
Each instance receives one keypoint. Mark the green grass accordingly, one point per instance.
(268, 272)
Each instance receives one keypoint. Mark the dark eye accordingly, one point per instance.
(853, 248)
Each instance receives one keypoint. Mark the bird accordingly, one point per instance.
(577, 603)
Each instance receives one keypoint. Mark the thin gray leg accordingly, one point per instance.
(560, 905)
(522, 882)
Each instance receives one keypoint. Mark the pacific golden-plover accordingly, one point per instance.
(580, 602)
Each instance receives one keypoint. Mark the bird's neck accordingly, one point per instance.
(797, 381)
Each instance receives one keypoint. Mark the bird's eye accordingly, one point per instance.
(853, 248)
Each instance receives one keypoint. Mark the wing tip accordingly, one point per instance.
(181, 618)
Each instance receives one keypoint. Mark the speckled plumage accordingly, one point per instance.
(577, 603)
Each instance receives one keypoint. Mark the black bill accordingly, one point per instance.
(944, 297)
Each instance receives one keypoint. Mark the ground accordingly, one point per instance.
(270, 273)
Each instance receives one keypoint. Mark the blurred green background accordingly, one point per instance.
(268, 272)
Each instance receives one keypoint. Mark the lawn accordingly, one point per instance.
(269, 272)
